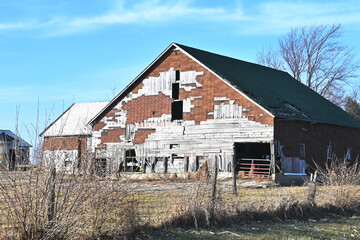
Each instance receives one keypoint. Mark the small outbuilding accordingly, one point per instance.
(14, 151)
(68, 139)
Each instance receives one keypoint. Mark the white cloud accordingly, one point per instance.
(278, 17)
(266, 17)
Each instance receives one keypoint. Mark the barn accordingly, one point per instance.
(190, 106)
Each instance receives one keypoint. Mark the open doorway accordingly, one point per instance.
(253, 159)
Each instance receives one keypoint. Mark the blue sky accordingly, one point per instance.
(54, 53)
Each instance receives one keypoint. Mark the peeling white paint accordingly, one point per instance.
(227, 111)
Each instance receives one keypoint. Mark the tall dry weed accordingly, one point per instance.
(341, 180)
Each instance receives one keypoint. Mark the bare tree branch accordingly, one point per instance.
(315, 56)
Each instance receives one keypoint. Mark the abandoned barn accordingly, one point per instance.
(190, 106)
(14, 151)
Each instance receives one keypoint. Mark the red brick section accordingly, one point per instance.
(212, 87)
(98, 126)
(66, 143)
(317, 137)
(112, 135)
(136, 89)
(141, 135)
(61, 143)
(146, 107)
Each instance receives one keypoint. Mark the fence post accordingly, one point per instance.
(51, 202)
(213, 192)
(186, 164)
(312, 190)
(165, 161)
(234, 163)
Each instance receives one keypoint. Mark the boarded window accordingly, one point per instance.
(177, 75)
(175, 91)
(293, 165)
(227, 111)
(302, 150)
(130, 132)
(177, 110)
(348, 154)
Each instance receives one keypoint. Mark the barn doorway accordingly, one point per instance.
(253, 159)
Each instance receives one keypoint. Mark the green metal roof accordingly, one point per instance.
(275, 90)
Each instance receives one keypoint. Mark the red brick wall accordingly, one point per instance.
(112, 135)
(145, 107)
(61, 143)
(316, 137)
(141, 135)
(66, 143)
(212, 87)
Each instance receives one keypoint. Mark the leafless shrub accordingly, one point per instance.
(342, 183)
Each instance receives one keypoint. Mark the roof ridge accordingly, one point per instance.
(233, 58)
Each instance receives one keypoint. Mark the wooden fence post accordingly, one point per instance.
(213, 192)
(234, 163)
(51, 202)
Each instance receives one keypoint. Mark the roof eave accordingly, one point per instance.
(42, 133)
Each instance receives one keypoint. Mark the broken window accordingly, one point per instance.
(175, 90)
(302, 150)
(173, 146)
(329, 152)
(130, 163)
(177, 110)
(177, 75)
(348, 154)
(129, 132)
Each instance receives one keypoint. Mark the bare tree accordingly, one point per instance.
(315, 56)
(352, 105)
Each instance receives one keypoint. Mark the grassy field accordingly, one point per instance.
(99, 208)
(326, 228)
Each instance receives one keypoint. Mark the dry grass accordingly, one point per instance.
(35, 207)
(87, 207)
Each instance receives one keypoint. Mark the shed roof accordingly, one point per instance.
(74, 121)
(12, 136)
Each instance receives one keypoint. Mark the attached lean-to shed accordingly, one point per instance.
(67, 140)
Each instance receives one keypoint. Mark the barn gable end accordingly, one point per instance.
(179, 110)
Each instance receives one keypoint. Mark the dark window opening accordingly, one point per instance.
(175, 91)
(177, 75)
(177, 110)
(130, 164)
(172, 146)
